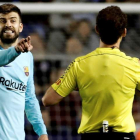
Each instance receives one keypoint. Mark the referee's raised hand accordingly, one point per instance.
(24, 45)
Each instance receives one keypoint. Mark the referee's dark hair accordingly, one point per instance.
(7, 8)
(110, 24)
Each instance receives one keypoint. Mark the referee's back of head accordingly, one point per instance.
(110, 24)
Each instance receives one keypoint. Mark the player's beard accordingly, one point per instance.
(8, 39)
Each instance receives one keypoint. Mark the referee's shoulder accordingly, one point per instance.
(81, 58)
(133, 59)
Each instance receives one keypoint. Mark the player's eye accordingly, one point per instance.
(2, 21)
(12, 21)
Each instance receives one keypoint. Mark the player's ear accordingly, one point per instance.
(124, 33)
(20, 27)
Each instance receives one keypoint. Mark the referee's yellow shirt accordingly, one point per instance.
(106, 79)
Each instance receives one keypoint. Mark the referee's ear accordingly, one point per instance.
(124, 33)
(96, 30)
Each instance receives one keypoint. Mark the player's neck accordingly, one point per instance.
(6, 46)
(115, 45)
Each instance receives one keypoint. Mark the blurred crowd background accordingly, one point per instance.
(58, 39)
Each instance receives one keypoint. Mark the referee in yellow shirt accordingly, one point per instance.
(106, 79)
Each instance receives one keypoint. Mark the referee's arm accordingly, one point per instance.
(51, 97)
(61, 88)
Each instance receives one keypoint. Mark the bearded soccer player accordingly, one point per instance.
(17, 93)
(106, 79)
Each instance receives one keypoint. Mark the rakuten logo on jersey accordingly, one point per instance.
(10, 85)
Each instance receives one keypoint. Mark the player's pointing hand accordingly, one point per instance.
(24, 45)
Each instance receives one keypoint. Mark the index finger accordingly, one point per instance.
(26, 44)
(29, 39)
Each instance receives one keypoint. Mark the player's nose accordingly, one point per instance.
(8, 24)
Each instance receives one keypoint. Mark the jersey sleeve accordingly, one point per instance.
(32, 108)
(67, 82)
(138, 79)
(8, 55)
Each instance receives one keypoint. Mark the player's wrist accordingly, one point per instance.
(17, 49)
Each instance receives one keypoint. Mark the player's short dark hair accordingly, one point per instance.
(110, 23)
(7, 8)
